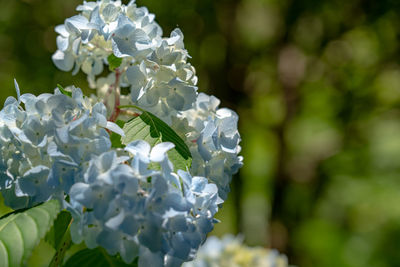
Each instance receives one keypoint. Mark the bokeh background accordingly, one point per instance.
(317, 86)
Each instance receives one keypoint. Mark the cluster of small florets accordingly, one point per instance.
(160, 78)
(45, 141)
(130, 201)
(54, 145)
(231, 252)
(155, 68)
(160, 216)
(213, 141)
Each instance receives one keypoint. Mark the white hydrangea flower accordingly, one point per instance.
(213, 139)
(231, 252)
(155, 68)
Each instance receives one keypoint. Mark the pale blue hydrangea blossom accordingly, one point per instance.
(136, 204)
(160, 216)
(213, 139)
(162, 82)
(45, 142)
(155, 68)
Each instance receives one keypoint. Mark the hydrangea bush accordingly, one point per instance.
(139, 176)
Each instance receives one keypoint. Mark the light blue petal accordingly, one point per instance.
(159, 151)
(115, 128)
(63, 60)
(62, 43)
(148, 258)
(18, 91)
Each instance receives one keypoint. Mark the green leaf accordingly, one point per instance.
(63, 91)
(3, 208)
(56, 233)
(113, 62)
(59, 237)
(63, 246)
(96, 257)
(116, 138)
(20, 232)
(153, 130)
(41, 255)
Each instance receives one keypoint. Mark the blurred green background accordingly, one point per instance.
(317, 88)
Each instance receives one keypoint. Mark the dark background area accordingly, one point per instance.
(317, 88)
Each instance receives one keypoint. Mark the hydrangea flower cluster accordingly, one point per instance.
(155, 68)
(130, 200)
(58, 145)
(160, 216)
(213, 141)
(230, 252)
(45, 145)
(160, 80)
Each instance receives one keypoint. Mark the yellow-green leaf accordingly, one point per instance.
(153, 130)
(20, 232)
